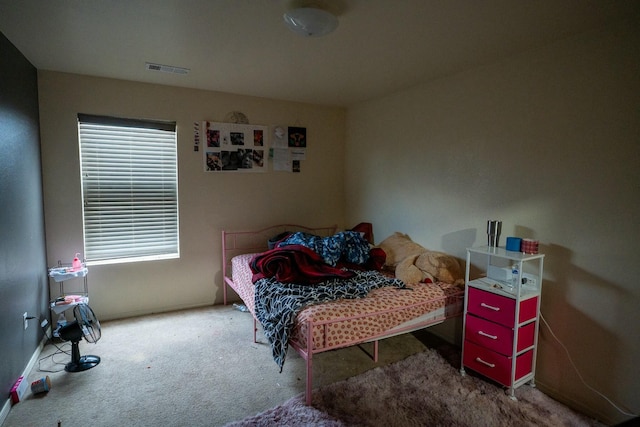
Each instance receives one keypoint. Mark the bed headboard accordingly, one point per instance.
(243, 242)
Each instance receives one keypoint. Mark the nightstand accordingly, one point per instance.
(501, 316)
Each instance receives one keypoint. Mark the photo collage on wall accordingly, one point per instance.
(233, 147)
(289, 148)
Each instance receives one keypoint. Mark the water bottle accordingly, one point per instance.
(241, 307)
(62, 321)
(515, 274)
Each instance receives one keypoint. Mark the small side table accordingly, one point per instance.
(68, 298)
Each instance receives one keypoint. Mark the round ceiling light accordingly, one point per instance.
(310, 21)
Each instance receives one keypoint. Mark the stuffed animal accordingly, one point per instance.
(413, 263)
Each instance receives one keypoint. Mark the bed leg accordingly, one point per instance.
(255, 329)
(375, 351)
(307, 393)
(309, 360)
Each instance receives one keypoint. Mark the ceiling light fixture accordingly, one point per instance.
(310, 21)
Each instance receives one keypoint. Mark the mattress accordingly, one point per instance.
(344, 322)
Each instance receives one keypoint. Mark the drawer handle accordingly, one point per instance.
(490, 307)
(491, 365)
(484, 334)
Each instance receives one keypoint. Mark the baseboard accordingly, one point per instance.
(161, 310)
(6, 408)
(4, 413)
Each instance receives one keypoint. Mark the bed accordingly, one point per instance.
(385, 311)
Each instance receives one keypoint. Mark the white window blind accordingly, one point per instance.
(129, 189)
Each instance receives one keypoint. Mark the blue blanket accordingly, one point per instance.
(346, 246)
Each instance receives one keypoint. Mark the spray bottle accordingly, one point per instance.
(76, 264)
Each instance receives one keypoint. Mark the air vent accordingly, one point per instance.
(166, 68)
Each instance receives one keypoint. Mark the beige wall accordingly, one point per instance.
(546, 141)
(208, 202)
(549, 142)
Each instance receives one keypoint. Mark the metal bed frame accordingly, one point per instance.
(243, 242)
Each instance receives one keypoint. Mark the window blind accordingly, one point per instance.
(129, 188)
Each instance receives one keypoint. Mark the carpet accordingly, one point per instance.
(425, 389)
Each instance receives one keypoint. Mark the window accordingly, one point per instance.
(129, 189)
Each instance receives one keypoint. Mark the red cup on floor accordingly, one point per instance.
(41, 386)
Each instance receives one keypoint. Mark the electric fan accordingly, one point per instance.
(86, 325)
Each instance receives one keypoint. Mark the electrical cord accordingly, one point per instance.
(578, 372)
(53, 362)
(60, 350)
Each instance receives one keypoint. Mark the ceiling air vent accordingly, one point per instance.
(166, 68)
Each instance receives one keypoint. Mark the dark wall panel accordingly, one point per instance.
(23, 278)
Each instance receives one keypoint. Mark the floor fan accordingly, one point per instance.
(85, 325)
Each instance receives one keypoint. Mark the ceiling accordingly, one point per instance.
(243, 47)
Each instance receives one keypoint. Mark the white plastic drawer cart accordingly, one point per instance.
(501, 315)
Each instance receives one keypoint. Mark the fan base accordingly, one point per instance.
(84, 363)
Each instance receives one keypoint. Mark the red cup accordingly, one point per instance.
(529, 246)
(41, 386)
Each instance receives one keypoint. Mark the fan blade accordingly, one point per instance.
(89, 322)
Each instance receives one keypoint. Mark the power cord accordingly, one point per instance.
(60, 350)
(578, 372)
(53, 362)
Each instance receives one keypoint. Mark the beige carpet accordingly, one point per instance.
(195, 367)
(201, 368)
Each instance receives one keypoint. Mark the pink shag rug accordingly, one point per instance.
(422, 390)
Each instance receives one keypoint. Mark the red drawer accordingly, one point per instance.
(498, 308)
(497, 337)
(494, 365)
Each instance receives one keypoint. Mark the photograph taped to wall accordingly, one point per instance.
(297, 137)
(282, 159)
(196, 136)
(298, 153)
(279, 137)
(233, 147)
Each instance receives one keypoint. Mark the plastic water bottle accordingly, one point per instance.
(62, 321)
(241, 307)
(515, 274)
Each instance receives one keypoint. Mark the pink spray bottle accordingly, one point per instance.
(76, 264)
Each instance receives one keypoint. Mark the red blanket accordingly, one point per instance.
(294, 264)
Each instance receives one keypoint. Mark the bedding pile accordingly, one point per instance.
(303, 269)
(347, 246)
(294, 263)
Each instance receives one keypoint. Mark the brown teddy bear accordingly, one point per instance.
(414, 263)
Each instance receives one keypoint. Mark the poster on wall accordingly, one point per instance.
(297, 137)
(289, 147)
(282, 160)
(196, 136)
(233, 147)
(297, 142)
